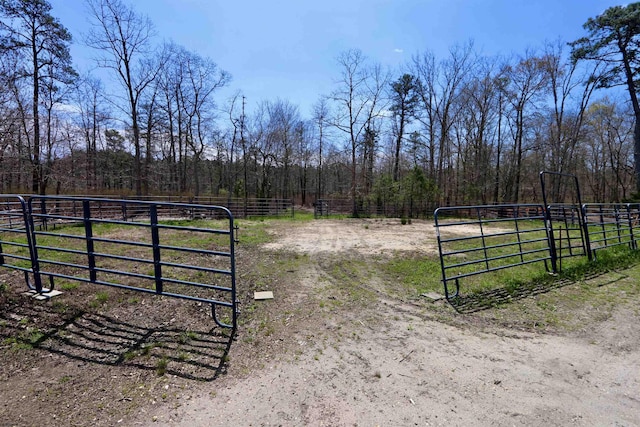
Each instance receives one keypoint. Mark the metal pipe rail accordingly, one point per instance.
(566, 223)
(478, 239)
(612, 224)
(15, 240)
(80, 239)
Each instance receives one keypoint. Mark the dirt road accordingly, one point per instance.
(393, 365)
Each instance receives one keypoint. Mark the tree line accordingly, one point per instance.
(461, 129)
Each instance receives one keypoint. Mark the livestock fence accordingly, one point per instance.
(474, 240)
(240, 207)
(179, 250)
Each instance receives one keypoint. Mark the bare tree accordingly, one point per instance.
(440, 87)
(358, 100)
(320, 117)
(123, 39)
(527, 80)
(92, 117)
(29, 29)
(571, 91)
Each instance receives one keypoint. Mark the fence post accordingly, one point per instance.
(30, 230)
(634, 245)
(155, 241)
(88, 231)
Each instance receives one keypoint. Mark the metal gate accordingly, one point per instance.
(144, 246)
(16, 250)
(497, 237)
(479, 239)
(565, 219)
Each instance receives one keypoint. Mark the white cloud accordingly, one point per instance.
(397, 50)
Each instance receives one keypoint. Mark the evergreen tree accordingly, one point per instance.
(28, 29)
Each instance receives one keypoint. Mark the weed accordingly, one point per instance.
(161, 366)
(102, 297)
(69, 286)
(146, 349)
(130, 355)
(60, 307)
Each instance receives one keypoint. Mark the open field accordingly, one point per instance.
(347, 340)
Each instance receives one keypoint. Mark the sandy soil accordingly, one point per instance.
(398, 367)
(318, 354)
(416, 372)
(366, 237)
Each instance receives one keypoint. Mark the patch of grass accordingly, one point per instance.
(418, 275)
(252, 233)
(101, 298)
(161, 366)
(69, 286)
(146, 349)
(187, 336)
(130, 355)
(584, 293)
(25, 340)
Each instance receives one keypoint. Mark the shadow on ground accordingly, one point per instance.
(96, 338)
(480, 301)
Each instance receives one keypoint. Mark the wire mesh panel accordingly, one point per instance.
(148, 247)
(478, 239)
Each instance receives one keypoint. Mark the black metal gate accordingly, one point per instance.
(144, 246)
(16, 249)
(564, 217)
(497, 237)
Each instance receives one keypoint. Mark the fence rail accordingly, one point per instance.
(612, 224)
(162, 252)
(239, 207)
(15, 239)
(474, 240)
(479, 239)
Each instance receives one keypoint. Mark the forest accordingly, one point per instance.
(461, 129)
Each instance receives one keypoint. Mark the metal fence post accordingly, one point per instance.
(155, 241)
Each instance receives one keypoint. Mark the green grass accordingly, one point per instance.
(161, 366)
(69, 286)
(416, 274)
(252, 233)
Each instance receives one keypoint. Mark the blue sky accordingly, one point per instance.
(287, 48)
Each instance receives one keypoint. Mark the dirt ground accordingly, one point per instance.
(321, 353)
